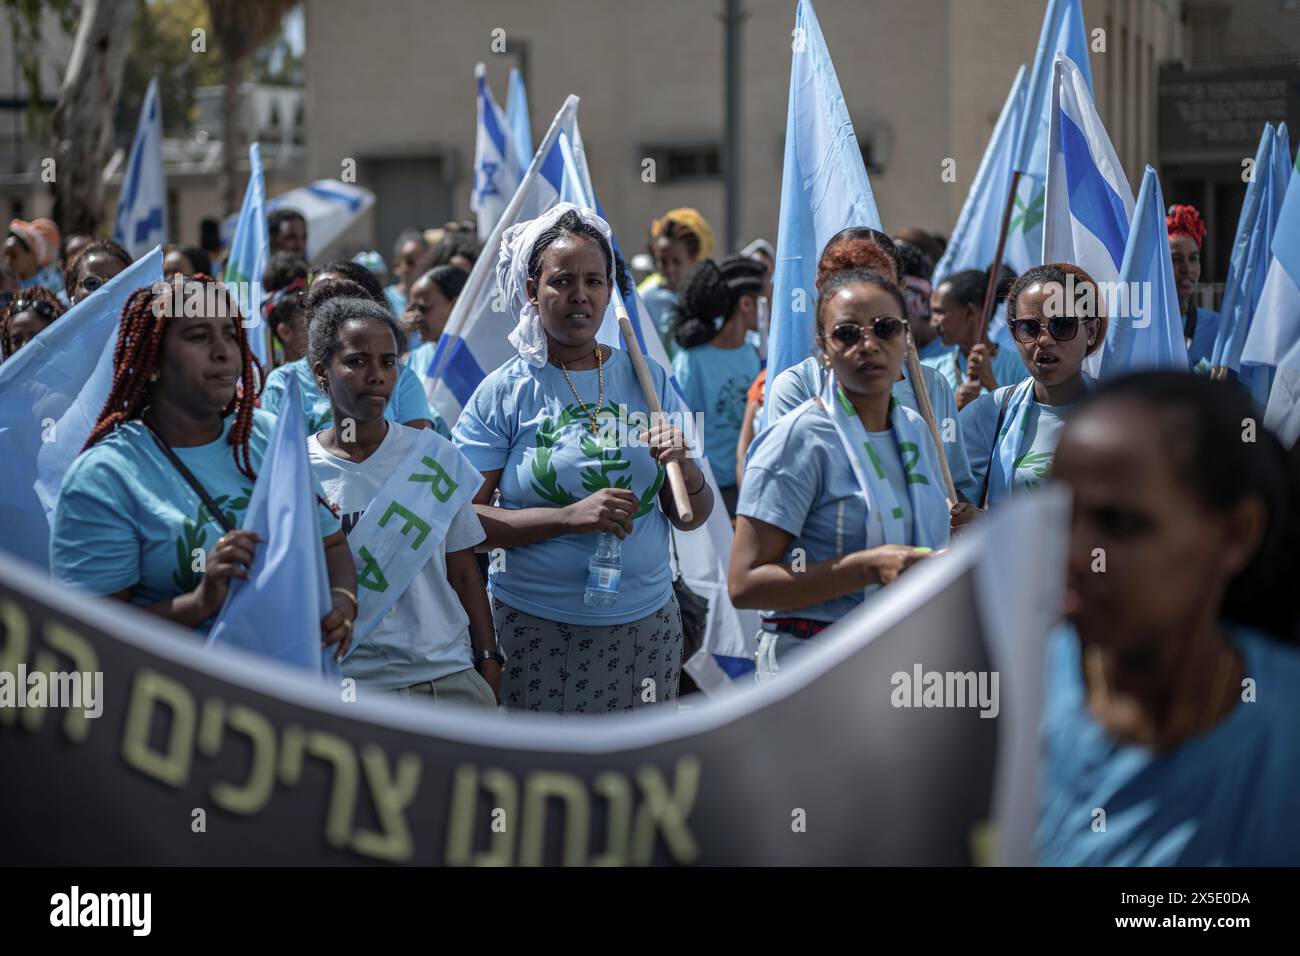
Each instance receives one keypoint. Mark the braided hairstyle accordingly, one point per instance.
(73, 273)
(138, 355)
(860, 247)
(571, 224)
(710, 295)
(27, 298)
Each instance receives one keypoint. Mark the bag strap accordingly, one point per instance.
(997, 430)
(190, 479)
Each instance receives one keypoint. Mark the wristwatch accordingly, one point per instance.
(481, 656)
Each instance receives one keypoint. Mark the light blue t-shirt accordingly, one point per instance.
(525, 422)
(1225, 798)
(1207, 329)
(407, 404)
(801, 382)
(1043, 426)
(421, 358)
(798, 478)
(396, 298)
(126, 517)
(934, 349)
(714, 382)
(1007, 367)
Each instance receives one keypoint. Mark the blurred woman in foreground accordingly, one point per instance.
(1173, 694)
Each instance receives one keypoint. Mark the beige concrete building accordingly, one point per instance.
(923, 80)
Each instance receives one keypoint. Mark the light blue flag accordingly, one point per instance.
(141, 221)
(277, 611)
(1282, 157)
(496, 163)
(1063, 31)
(824, 188)
(51, 393)
(1146, 324)
(1274, 336)
(1248, 267)
(519, 120)
(974, 239)
(248, 254)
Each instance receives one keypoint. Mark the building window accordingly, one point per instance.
(686, 163)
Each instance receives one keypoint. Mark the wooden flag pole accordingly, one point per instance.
(676, 480)
(927, 412)
(990, 293)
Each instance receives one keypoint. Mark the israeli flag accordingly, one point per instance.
(1146, 324)
(1249, 266)
(519, 120)
(496, 164)
(1063, 31)
(141, 221)
(51, 394)
(248, 255)
(824, 188)
(1089, 203)
(974, 239)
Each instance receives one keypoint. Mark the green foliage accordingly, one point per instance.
(25, 21)
(162, 38)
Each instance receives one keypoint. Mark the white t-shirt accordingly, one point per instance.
(425, 634)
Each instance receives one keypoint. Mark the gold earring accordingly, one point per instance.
(153, 377)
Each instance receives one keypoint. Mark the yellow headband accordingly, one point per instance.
(690, 219)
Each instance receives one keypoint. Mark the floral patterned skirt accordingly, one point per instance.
(574, 669)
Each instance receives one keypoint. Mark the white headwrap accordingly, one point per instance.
(517, 242)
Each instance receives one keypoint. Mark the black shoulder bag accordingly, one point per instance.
(695, 618)
(190, 479)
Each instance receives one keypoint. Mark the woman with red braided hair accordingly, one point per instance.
(1200, 326)
(169, 467)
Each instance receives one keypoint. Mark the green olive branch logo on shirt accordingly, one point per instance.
(601, 448)
(1036, 464)
(194, 536)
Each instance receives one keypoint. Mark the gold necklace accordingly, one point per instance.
(594, 412)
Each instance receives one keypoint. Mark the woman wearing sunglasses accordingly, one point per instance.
(843, 494)
(93, 267)
(1054, 314)
(26, 317)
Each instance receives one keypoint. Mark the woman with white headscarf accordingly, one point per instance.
(562, 432)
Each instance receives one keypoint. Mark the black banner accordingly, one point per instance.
(213, 757)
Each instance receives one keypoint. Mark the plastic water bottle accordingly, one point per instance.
(603, 571)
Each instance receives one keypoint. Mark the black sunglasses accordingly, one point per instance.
(1062, 329)
(883, 327)
(39, 306)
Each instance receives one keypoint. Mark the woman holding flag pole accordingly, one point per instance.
(170, 465)
(563, 433)
(406, 499)
(1056, 316)
(843, 494)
